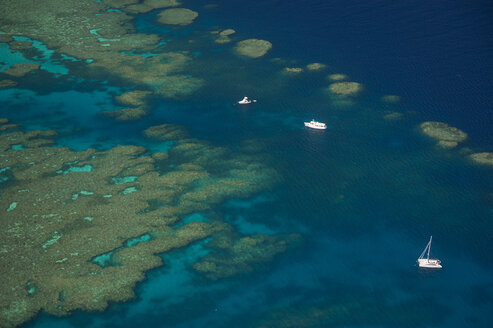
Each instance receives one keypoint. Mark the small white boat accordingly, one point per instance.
(427, 262)
(245, 101)
(316, 125)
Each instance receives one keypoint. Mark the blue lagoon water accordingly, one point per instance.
(365, 194)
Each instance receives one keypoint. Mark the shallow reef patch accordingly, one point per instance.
(21, 69)
(123, 206)
(177, 16)
(345, 88)
(316, 66)
(447, 136)
(88, 31)
(253, 48)
(233, 255)
(165, 132)
(337, 77)
(391, 99)
(485, 158)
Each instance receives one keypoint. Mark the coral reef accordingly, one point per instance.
(354, 309)
(165, 132)
(315, 66)
(7, 84)
(227, 32)
(224, 36)
(140, 7)
(447, 136)
(177, 16)
(88, 31)
(20, 45)
(345, 88)
(294, 70)
(4, 38)
(133, 98)
(253, 48)
(233, 256)
(21, 69)
(337, 77)
(392, 116)
(222, 39)
(127, 114)
(64, 209)
(148, 5)
(391, 99)
(137, 98)
(485, 158)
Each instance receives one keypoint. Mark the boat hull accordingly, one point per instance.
(429, 263)
(318, 127)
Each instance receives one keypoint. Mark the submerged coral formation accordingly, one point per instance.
(485, 158)
(7, 84)
(165, 132)
(20, 45)
(315, 66)
(227, 32)
(352, 310)
(63, 209)
(137, 98)
(294, 70)
(235, 256)
(392, 116)
(133, 98)
(87, 30)
(137, 7)
(391, 99)
(5, 38)
(253, 48)
(345, 88)
(177, 16)
(337, 77)
(21, 69)
(127, 114)
(447, 136)
(224, 36)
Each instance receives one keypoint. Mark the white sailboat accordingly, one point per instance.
(427, 262)
(246, 101)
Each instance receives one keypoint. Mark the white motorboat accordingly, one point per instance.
(427, 262)
(316, 125)
(245, 101)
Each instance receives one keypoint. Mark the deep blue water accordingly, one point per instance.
(365, 194)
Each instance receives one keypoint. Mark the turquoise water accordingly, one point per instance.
(365, 194)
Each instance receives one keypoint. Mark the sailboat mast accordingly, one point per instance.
(429, 247)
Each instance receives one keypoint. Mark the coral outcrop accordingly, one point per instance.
(293, 70)
(391, 99)
(224, 36)
(141, 7)
(7, 84)
(316, 66)
(345, 88)
(21, 69)
(137, 98)
(233, 255)
(127, 114)
(337, 77)
(485, 158)
(253, 48)
(165, 132)
(177, 16)
(447, 136)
